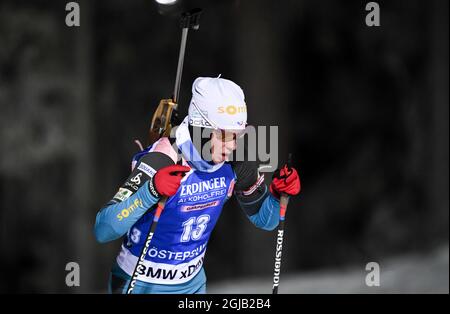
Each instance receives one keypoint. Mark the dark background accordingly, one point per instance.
(363, 109)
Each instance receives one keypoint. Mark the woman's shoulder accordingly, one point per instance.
(165, 146)
(161, 153)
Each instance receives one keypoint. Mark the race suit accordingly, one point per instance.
(174, 261)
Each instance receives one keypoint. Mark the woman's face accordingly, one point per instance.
(222, 145)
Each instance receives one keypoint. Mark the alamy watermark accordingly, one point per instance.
(373, 17)
(373, 275)
(73, 275)
(254, 144)
(73, 17)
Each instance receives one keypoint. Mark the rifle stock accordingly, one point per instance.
(163, 120)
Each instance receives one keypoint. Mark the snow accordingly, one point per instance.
(412, 273)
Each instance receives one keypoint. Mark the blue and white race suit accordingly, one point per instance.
(174, 261)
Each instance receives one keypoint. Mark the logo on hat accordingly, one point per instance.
(198, 119)
(231, 109)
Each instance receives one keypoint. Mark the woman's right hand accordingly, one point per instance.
(167, 180)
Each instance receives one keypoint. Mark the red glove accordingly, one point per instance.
(167, 180)
(285, 180)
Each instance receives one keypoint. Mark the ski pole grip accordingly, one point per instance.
(284, 199)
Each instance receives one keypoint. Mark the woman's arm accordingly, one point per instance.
(260, 206)
(132, 200)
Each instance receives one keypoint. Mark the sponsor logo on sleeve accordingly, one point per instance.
(136, 179)
(131, 185)
(123, 194)
(124, 213)
(146, 169)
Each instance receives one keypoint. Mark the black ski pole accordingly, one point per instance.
(284, 201)
(144, 251)
(189, 20)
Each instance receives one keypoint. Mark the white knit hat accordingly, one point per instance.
(217, 103)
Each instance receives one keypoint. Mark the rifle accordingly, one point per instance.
(164, 118)
(166, 115)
